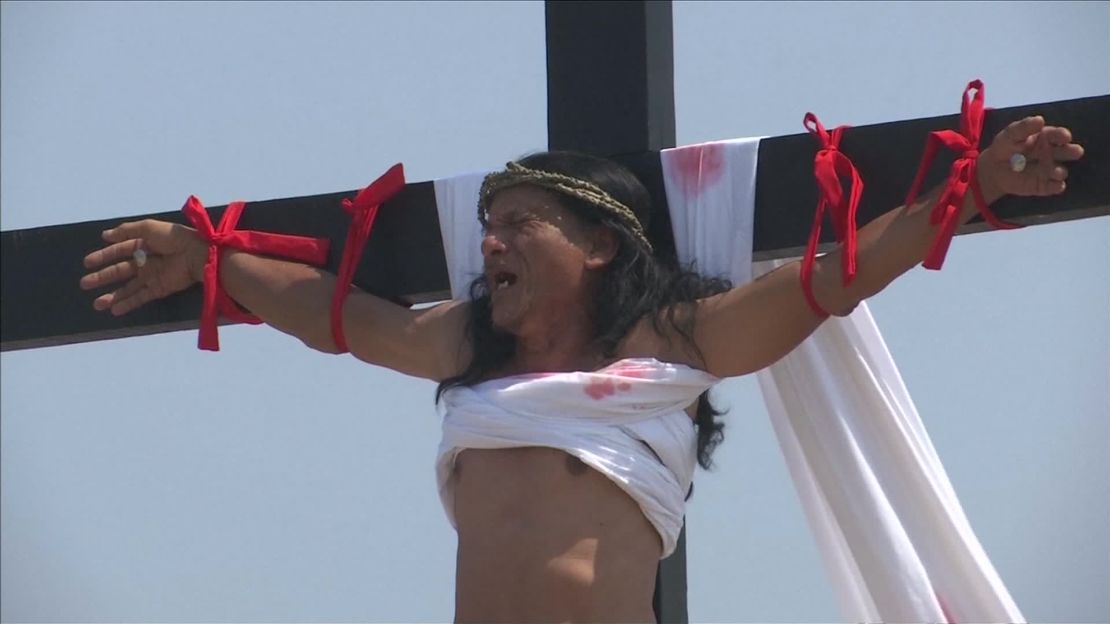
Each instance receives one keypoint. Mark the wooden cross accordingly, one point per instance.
(625, 52)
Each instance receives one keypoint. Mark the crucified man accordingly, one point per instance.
(574, 378)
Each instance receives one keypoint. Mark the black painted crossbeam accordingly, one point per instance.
(404, 258)
(887, 157)
(623, 50)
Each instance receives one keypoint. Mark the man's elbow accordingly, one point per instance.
(846, 308)
(321, 341)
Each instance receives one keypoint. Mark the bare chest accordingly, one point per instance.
(541, 535)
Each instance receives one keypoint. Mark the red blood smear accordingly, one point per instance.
(698, 167)
(944, 609)
(601, 388)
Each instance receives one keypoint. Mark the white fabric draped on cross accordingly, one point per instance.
(894, 539)
(457, 205)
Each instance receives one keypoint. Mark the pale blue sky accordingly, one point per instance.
(143, 480)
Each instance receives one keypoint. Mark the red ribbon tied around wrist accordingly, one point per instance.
(364, 211)
(961, 177)
(216, 300)
(829, 165)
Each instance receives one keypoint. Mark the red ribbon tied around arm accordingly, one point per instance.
(363, 211)
(961, 177)
(829, 166)
(216, 301)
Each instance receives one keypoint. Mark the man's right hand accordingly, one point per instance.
(175, 258)
(294, 298)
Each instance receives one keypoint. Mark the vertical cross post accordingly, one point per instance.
(610, 92)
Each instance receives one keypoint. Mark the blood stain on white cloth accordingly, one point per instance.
(601, 388)
(698, 167)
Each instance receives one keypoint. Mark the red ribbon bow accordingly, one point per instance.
(828, 166)
(363, 211)
(961, 177)
(216, 300)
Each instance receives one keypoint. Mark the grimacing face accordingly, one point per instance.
(539, 258)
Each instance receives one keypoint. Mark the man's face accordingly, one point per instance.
(537, 258)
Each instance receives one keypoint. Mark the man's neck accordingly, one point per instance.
(562, 343)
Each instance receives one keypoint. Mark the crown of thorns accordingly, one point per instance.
(589, 192)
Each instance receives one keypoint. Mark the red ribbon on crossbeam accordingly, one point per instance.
(829, 165)
(312, 251)
(961, 177)
(363, 211)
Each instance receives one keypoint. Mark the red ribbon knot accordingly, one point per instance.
(216, 301)
(364, 211)
(961, 177)
(829, 166)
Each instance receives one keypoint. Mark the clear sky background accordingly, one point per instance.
(144, 480)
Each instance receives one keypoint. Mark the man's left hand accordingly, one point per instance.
(1044, 148)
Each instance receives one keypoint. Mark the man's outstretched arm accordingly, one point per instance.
(293, 298)
(751, 327)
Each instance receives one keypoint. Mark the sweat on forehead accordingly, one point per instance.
(521, 198)
(516, 174)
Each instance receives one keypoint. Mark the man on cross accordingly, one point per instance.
(575, 378)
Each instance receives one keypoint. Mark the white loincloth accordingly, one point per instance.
(603, 418)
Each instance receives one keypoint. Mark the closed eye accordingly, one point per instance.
(514, 223)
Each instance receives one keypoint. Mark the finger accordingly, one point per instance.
(1018, 131)
(125, 231)
(1056, 135)
(106, 301)
(128, 290)
(1053, 143)
(1058, 174)
(1053, 187)
(1071, 151)
(132, 301)
(103, 302)
(112, 253)
(117, 272)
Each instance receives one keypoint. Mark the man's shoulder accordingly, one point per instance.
(658, 338)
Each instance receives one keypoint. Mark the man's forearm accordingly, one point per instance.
(291, 297)
(886, 248)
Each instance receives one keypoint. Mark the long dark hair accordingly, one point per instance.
(635, 283)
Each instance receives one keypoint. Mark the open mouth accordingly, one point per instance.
(502, 280)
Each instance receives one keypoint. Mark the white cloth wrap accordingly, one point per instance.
(889, 527)
(603, 418)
